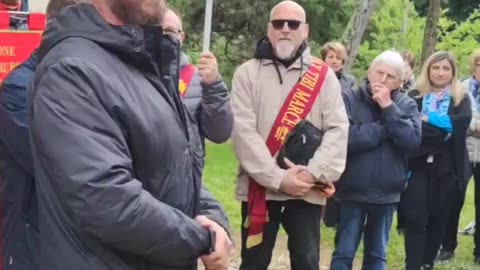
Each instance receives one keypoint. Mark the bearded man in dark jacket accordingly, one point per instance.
(117, 159)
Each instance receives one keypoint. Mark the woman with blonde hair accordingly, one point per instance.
(439, 168)
(334, 55)
(470, 85)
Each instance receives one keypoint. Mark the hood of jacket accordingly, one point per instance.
(127, 41)
(264, 51)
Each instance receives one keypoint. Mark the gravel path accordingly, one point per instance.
(280, 260)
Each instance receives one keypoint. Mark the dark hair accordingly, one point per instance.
(54, 7)
(408, 57)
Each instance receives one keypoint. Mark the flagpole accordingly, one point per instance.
(207, 30)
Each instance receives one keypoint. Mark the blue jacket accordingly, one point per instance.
(17, 190)
(378, 144)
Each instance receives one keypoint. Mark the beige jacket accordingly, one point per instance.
(257, 96)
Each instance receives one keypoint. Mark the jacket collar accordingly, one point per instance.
(183, 59)
(305, 60)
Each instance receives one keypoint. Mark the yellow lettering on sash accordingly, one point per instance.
(300, 96)
(309, 80)
(7, 51)
(281, 133)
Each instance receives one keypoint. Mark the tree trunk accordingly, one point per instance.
(431, 29)
(352, 36)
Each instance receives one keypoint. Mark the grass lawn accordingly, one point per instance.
(219, 176)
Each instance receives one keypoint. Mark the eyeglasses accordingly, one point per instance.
(171, 31)
(292, 24)
(388, 77)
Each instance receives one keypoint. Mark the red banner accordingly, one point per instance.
(16, 47)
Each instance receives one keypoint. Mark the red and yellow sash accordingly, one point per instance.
(186, 75)
(295, 108)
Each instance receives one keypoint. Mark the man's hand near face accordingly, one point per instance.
(381, 95)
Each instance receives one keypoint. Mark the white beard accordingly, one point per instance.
(284, 49)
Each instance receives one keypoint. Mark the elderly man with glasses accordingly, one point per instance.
(384, 126)
(201, 87)
(271, 95)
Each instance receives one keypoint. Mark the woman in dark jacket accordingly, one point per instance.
(334, 55)
(439, 167)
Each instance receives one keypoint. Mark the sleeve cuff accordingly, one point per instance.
(211, 247)
(218, 81)
(391, 112)
(317, 173)
(277, 180)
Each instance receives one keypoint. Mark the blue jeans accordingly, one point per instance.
(374, 220)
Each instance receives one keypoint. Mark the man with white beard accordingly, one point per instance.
(271, 93)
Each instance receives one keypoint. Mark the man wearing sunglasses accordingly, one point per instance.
(202, 89)
(267, 104)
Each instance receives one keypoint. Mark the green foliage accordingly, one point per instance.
(238, 24)
(386, 32)
(457, 10)
(462, 40)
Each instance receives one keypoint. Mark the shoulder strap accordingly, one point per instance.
(298, 104)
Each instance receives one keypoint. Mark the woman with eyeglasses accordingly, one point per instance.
(439, 168)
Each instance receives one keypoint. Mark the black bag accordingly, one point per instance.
(300, 144)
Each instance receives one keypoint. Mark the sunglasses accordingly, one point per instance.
(279, 24)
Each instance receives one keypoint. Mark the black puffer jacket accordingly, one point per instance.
(117, 158)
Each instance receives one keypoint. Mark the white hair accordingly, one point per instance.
(393, 59)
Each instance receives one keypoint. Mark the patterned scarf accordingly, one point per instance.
(437, 102)
(474, 87)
